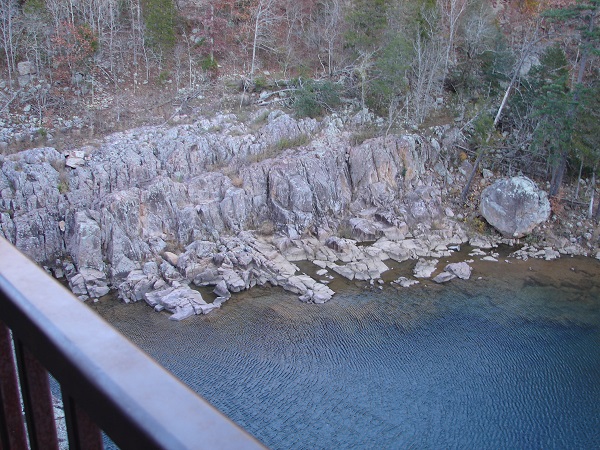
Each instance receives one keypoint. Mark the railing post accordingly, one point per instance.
(12, 426)
(37, 400)
(83, 433)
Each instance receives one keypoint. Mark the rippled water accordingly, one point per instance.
(511, 361)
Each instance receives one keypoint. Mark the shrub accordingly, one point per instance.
(209, 64)
(159, 17)
(364, 133)
(313, 97)
(285, 143)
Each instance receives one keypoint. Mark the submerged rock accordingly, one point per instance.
(443, 277)
(405, 282)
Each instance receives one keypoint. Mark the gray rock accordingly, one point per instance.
(74, 162)
(182, 301)
(133, 192)
(461, 269)
(514, 206)
(425, 268)
(221, 290)
(405, 282)
(85, 242)
(444, 277)
(171, 258)
(25, 68)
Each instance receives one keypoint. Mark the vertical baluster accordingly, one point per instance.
(12, 426)
(83, 433)
(37, 400)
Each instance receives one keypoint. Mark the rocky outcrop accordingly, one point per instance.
(158, 208)
(514, 206)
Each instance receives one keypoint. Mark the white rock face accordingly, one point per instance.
(514, 206)
(136, 199)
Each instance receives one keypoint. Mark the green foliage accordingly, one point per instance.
(367, 21)
(260, 84)
(163, 76)
(285, 143)
(87, 34)
(484, 66)
(483, 127)
(586, 135)
(313, 97)
(34, 7)
(160, 17)
(479, 225)
(63, 187)
(552, 104)
(209, 64)
(389, 75)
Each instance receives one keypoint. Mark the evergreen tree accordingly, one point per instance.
(160, 17)
(581, 16)
(367, 22)
(552, 105)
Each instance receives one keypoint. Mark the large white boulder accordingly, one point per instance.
(514, 206)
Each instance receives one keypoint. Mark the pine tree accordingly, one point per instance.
(582, 16)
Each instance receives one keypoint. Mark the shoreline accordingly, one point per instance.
(315, 271)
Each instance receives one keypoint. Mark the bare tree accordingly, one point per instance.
(525, 53)
(325, 30)
(426, 75)
(452, 11)
(264, 18)
(8, 13)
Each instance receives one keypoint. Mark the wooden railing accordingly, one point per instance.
(106, 382)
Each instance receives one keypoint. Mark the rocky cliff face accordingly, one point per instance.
(103, 211)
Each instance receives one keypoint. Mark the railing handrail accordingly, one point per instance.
(133, 399)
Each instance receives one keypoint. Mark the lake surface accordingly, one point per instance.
(510, 360)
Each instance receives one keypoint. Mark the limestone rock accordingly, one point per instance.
(182, 301)
(74, 162)
(514, 206)
(425, 268)
(171, 258)
(444, 277)
(405, 282)
(461, 269)
(221, 290)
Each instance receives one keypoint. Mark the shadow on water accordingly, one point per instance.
(508, 359)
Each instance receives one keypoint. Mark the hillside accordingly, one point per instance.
(519, 78)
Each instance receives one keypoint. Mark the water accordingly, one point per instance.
(508, 361)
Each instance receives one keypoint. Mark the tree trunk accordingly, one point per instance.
(558, 174)
(579, 180)
(257, 25)
(591, 207)
(467, 188)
